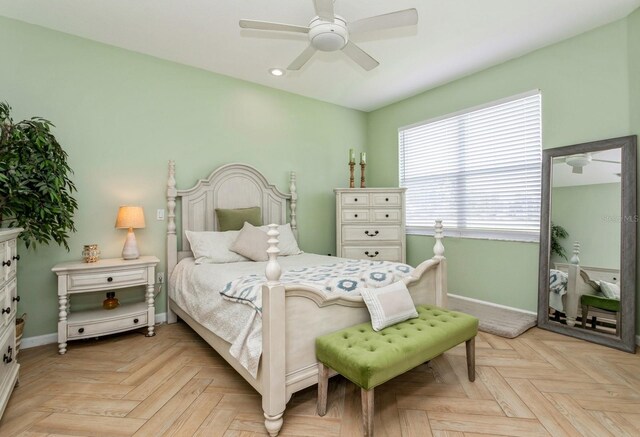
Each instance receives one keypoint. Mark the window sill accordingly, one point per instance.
(520, 237)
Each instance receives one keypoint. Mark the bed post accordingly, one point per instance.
(572, 299)
(172, 241)
(441, 270)
(294, 204)
(273, 340)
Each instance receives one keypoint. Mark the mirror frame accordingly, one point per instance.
(626, 341)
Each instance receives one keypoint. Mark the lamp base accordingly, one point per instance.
(130, 249)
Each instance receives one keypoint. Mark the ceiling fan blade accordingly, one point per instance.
(408, 17)
(302, 59)
(361, 57)
(607, 161)
(577, 170)
(267, 25)
(324, 9)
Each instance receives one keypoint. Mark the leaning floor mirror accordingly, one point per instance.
(587, 281)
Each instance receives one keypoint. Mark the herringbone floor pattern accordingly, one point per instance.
(539, 384)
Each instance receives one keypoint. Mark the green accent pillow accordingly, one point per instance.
(233, 219)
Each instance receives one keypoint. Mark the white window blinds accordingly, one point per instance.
(478, 170)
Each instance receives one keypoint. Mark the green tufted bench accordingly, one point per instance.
(601, 303)
(369, 358)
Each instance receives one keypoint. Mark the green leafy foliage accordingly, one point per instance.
(35, 188)
(558, 233)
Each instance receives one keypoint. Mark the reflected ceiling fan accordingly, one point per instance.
(329, 32)
(581, 160)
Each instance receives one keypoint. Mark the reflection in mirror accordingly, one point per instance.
(587, 242)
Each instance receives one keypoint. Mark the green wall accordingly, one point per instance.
(121, 116)
(585, 88)
(588, 213)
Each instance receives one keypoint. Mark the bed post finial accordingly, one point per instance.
(273, 270)
(576, 251)
(294, 203)
(172, 241)
(438, 248)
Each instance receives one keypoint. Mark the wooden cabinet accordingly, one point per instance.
(101, 276)
(370, 223)
(8, 306)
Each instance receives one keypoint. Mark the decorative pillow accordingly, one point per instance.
(286, 240)
(251, 243)
(558, 282)
(610, 291)
(233, 219)
(213, 247)
(388, 305)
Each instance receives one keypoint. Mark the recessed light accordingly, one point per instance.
(276, 72)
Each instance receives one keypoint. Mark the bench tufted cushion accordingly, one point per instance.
(369, 358)
(600, 302)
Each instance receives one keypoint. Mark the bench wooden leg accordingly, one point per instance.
(471, 359)
(323, 386)
(367, 411)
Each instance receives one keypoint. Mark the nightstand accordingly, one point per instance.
(102, 276)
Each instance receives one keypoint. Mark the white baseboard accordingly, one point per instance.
(484, 302)
(41, 340)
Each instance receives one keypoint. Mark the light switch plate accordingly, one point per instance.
(160, 214)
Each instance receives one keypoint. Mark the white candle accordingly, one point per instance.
(352, 156)
(363, 158)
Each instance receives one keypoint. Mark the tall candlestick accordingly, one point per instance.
(363, 158)
(362, 167)
(351, 176)
(352, 156)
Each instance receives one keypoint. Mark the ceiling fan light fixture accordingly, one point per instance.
(328, 36)
(578, 161)
(277, 72)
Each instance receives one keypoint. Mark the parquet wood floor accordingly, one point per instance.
(540, 384)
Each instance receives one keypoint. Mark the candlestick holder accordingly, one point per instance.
(351, 175)
(362, 167)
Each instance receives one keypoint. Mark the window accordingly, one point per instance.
(478, 170)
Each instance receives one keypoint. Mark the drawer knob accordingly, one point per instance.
(8, 358)
(6, 310)
(135, 320)
(376, 253)
(373, 234)
(16, 257)
(355, 215)
(80, 331)
(386, 215)
(386, 199)
(6, 263)
(355, 200)
(109, 279)
(16, 299)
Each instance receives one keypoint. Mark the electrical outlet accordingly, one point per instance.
(161, 278)
(160, 214)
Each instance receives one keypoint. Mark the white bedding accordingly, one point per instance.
(195, 289)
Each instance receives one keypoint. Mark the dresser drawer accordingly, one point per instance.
(386, 215)
(8, 302)
(355, 215)
(8, 355)
(386, 199)
(12, 255)
(355, 199)
(370, 233)
(104, 327)
(380, 253)
(106, 280)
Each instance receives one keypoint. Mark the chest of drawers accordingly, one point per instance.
(370, 223)
(9, 305)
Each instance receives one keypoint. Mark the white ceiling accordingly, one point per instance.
(596, 172)
(453, 38)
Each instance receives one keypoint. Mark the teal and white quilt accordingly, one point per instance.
(344, 277)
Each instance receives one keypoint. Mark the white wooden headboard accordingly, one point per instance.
(229, 186)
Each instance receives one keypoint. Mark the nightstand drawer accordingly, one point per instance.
(370, 233)
(104, 327)
(106, 280)
(355, 199)
(379, 253)
(355, 215)
(386, 215)
(386, 199)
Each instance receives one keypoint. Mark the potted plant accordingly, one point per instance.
(35, 185)
(558, 233)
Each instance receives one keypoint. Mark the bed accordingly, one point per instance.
(292, 315)
(580, 280)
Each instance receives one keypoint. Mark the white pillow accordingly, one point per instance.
(213, 247)
(610, 291)
(252, 243)
(286, 240)
(388, 305)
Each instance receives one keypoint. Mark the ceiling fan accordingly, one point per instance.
(329, 32)
(581, 160)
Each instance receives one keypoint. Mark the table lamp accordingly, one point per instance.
(130, 217)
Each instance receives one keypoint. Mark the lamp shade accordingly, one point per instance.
(130, 217)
